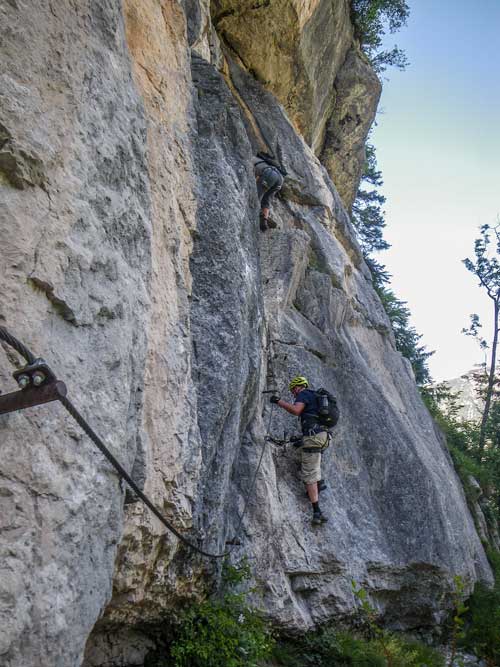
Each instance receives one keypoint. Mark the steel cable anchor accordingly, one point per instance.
(37, 385)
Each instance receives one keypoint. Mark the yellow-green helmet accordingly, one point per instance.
(298, 381)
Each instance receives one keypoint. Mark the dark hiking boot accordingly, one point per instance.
(319, 518)
(262, 223)
(271, 223)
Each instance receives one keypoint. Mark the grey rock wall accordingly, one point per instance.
(358, 92)
(294, 48)
(397, 511)
(75, 264)
(132, 260)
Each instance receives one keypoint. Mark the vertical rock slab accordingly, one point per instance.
(75, 265)
(226, 310)
(147, 580)
(294, 48)
(358, 92)
(132, 259)
(399, 522)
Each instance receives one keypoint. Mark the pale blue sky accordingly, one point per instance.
(438, 146)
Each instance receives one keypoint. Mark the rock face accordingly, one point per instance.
(304, 53)
(357, 94)
(285, 52)
(132, 261)
(470, 405)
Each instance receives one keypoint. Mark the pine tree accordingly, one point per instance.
(407, 338)
(371, 18)
(368, 218)
(367, 213)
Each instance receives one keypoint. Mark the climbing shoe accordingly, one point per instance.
(271, 224)
(262, 223)
(319, 518)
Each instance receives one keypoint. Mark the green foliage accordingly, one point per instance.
(392, 649)
(482, 631)
(407, 338)
(494, 558)
(486, 264)
(473, 331)
(328, 648)
(463, 441)
(223, 631)
(457, 632)
(369, 222)
(486, 267)
(476, 627)
(367, 213)
(394, 57)
(371, 19)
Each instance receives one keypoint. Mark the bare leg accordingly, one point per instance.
(312, 492)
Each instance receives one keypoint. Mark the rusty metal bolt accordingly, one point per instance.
(38, 378)
(23, 381)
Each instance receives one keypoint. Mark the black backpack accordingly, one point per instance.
(328, 412)
(270, 160)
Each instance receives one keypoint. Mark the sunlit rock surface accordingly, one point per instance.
(131, 259)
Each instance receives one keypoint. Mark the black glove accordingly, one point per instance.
(274, 399)
(296, 440)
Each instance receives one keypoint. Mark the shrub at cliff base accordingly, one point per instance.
(482, 629)
(330, 648)
(223, 631)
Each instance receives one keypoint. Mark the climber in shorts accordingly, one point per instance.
(269, 175)
(315, 439)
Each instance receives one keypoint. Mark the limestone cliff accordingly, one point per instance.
(132, 261)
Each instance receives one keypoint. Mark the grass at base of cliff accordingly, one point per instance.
(329, 648)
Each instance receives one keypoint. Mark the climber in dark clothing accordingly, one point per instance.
(315, 439)
(269, 176)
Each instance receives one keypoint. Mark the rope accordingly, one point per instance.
(85, 426)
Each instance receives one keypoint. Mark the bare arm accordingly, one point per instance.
(294, 409)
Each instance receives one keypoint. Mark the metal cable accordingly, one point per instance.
(30, 358)
(85, 426)
(17, 345)
(126, 477)
(240, 521)
(236, 532)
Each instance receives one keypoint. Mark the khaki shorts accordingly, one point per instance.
(311, 461)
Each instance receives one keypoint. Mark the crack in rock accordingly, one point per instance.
(61, 307)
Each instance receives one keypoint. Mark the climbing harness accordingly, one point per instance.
(39, 385)
(282, 442)
(277, 441)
